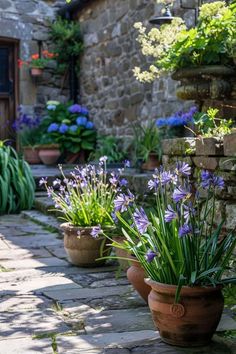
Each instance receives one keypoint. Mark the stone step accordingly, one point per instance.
(48, 221)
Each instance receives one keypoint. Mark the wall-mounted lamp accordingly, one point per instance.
(167, 16)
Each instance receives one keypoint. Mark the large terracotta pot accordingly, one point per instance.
(49, 154)
(136, 276)
(31, 155)
(152, 162)
(121, 253)
(191, 322)
(83, 249)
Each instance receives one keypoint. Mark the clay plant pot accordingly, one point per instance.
(36, 72)
(136, 276)
(152, 162)
(82, 249)
(49, 154)
(191, 322)
(31, 155)
(120, 253)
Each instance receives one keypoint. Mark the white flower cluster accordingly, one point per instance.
(156, 44)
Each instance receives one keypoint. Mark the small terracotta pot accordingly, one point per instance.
(191, 322)
(83, 249)
(120, 253)
(136, 276)
(36, 71)
(31, 155)
(49, 156)
(152, 162)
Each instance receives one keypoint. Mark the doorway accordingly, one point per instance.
(8, 87)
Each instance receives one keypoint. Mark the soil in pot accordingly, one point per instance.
(191, 322)
(136, 276)
(82, 249)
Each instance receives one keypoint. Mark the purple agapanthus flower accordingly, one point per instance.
(179, 194)
(123, 182)
(63, 128)
(183, 168)
(185, 230)
(150, 255)
(209, 179)
(113, 180)
(96, 230)
(166, 177)
(53, 127)
(75, 108)
(81, 121)
(56, 182)
(141, 220)
(103, 160)
(170, 214)
(218, 182)
(122, 201)
(114, 218)
(153, 184)
(127, 163)
(42, 181)
(189, 211)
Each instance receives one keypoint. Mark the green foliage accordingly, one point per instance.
(109, 146)
(16, 182)
(208, 125)
(30, 136)
(67, 38)
(146, 139)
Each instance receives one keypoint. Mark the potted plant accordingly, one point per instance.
(37, 62)
(200, 61)
(147, 145)
(85, 201)
(17, 186)
(183, 251)
(68, 125)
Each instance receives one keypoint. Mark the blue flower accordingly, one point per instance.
(161, 122)
(185, 230)
(179, 194)
(96, 230)
(141, 220)
(53, 128)
(166, 177)
(170, 214)
(73, 128)
(89, 125)
(75, 108)
(209, 179)
(84, 111)
(81, 121)
(189, 211)
(123, 182)
(63, 128)
(150, 255)
(153, 184)
(183, 168)
(51, 107)
(127, 163)
(122, 201)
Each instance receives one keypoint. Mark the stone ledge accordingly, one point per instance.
(179, 146)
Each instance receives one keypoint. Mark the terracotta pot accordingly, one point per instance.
(191, 322)
(152, 162)
(136, 276)
(31, 155)
(120, 253)
(36, 71)
(83, 249)
(49, 155)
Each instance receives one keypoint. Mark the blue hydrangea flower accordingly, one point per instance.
(75, 108)
(141, 220)
(89, 125)
(53, 127)
(63, 128)
(51, 107)
(73, 128)
(161, 122)
(84, 111)
(81, 121)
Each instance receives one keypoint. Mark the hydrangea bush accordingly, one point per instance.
(69, 126)
(177, 242)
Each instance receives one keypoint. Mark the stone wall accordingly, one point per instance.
(27, 21)
(115, 98)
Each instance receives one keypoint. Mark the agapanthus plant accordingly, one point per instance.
(86, 197)
(177, 242)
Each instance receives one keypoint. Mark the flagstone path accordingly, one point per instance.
(49, 306)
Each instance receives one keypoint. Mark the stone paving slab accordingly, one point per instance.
(86, 293)
(36, 241)
(89, 342)
(40, 285)
(57, 251)
(119, 321)
(44, 220)
(18, 324)
(33, 263)
(23, 253)
(4, 245)
(26, 346)
(23, 303)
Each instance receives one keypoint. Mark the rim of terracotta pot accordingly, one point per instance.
(185, 290)
(66, 226)
(48, 146)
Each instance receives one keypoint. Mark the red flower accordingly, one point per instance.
(35, 56)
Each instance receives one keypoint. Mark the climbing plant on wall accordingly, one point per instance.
(67, 38)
